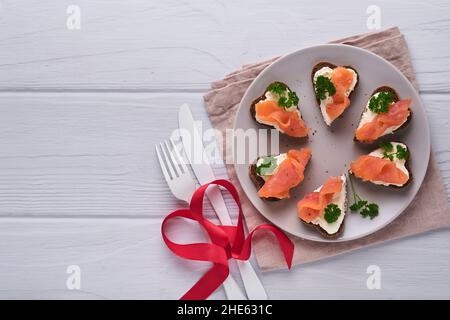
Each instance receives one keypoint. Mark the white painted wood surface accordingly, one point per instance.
(81, 110)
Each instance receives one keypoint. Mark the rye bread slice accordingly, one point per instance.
(322, 231)
(396, 99)
(407, 166)
(321, 65)
(263, 97)
(257, 180)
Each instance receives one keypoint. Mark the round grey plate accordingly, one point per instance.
(333, 148)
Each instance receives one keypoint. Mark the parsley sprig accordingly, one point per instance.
(380, 103)
(277, 88)
(280, 89)
(291, 100)
(401, 152)
(267, 166)
(332, 213)
(324, 85)
(365, 208)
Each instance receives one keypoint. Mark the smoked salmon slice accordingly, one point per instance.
(397, 114)
(289, 174)
(371, 168)
(289, 122)
(314, 203)
(342, 79)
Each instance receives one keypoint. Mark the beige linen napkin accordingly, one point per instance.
(428, 211)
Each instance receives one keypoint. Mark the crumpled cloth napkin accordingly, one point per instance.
(428, 211)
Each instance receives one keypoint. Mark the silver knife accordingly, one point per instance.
(193, 146)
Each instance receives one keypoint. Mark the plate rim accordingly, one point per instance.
(428, 138)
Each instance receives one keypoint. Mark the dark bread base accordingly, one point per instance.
(263, 97)
(407, 166)
(321, 65)
(258, 181)
(396, 99)
(322, 231)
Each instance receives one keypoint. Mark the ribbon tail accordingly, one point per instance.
(207, 284)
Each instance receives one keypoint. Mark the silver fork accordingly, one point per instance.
(182, 186)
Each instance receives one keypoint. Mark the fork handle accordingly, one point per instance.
(232, 289)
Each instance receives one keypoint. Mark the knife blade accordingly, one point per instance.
(194, 149)
(193, 146)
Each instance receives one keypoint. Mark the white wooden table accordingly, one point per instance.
(81, 110)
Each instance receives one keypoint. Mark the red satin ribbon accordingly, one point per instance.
(226, 242)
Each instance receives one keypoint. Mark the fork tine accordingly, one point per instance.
(174, 161)
(168, 164)
(178, 156)
(162, 165)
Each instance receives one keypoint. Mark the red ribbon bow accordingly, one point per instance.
(226, 242)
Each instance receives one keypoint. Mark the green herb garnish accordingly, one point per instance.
(402, 153)
(324, 85)
(365, 208)
(380, 103)
(277, 88)
(332, 213)
(291, 100)
(267, 166)
(358, 205)
(284, 101)
(387, 146)
(388, 151)
(370, 210)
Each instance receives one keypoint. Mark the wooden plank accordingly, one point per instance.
(117, 259)
(184, 45)
(126, 259)
(87, 154)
